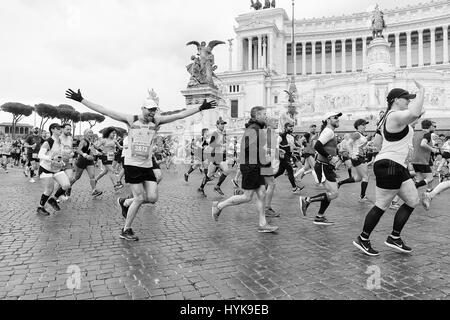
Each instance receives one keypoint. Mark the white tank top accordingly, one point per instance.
(140, 144)
(358, 145)
(56, 150)
(397, 150)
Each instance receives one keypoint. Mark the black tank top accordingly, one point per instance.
(86, 148)
(284, 145)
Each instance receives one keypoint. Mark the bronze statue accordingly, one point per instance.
(257, 5)
(267, 4)
(203, 67)
(378, 24)
(273, 3)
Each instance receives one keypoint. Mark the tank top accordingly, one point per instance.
(87, 147)
(358, 146)
(140, 144)
(66, 145)
(109, 149)
(285, 145)
(330, 147)
(55, 151)
(421, 155)
(396, 146)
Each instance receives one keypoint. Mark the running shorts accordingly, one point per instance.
(325, 171)
(136, 175)
(389, 174)
(422, 168)
(83, 163)
(252, 180)
(358, 161)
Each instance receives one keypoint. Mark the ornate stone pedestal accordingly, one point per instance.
(196, 95)
(380, 72)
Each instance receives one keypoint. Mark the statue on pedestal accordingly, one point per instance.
(202, 68)
(273, 4)
(378, 24)
(257, 5)
(267, 4)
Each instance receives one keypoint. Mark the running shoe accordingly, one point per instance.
(186, 177)
(128, 235)
(426, 200)
(235, 183)
(118, 186)
(303, 205)
(202, 191)
(267, 228)
(297, 189)
(271, 213)
(63, 198)
(364, 246)
(121, 203)
(219, 191)
(68, 192)
(394, 205)
(42, 211)
(96, 193)
(397, 244)
(54, 204)
(322, 221)
(364, 199)
(32, 180)
(25, 173)
(215, 211)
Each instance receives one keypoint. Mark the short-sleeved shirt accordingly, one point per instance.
(328, 139)
(421, 155)
(32, 139)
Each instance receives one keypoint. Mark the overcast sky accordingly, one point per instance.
(115, 49)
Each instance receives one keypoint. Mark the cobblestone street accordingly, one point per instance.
(184, 254)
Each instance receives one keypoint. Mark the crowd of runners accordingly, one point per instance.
(405, 155)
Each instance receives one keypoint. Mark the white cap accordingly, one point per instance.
(331, 114)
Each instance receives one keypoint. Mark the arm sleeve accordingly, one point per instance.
(43, 152)
(320, 149)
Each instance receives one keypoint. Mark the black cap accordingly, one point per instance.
(360, 122)
(399, 93)
(221, 121)
(54, 126)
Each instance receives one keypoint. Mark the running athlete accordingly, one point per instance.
(326, 146)
(427, 197)
(445, 149)
(392, 175)
(197, 152)
(423, 147)
(67, 152)
(108, 146)
(344, 154)
(218, 158)
(309, 154)
(5, 150)
(85, 161)
(138, 156)
(33, 142)
(358, 142)
(268, 171)
(286, 145)
(51, 170)
(251, 165)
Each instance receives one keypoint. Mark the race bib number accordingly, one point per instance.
(141, 142)
(35, 155)
(110, 156)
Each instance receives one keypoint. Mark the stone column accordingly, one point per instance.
(324, 65)
(420, 47)
(397, 50)
(264, 52)
(295, 57)
(408, 49)
(364, 51)
(303, 58)
(250, 53)
(433, 46)
(333, 56)
(313, 57)
(445, 43)
(353, 55)
(259, 54)
(343, 58)
(240, 44)
(285, 57)
(271, 50)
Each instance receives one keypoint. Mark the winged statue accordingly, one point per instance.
(203, 67)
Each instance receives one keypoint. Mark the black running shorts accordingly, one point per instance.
(422, 168)
(446, 155)
(105, 161)
(389, 174)
(358, 161)
(325, 170)
(136, 175)
(155, 164)
(83, 163)
(252, 180)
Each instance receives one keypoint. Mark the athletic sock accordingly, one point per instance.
(372, 219)
(191, 169)
(364, 185)
(324, 204)
(319, 197)
(205, 179)
(221, 179)
(401, 217)
(349, 173)
(44, 199)
(348, 180)
(421, 184)
(59, 193)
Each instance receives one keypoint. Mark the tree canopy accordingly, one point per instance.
(18, 110)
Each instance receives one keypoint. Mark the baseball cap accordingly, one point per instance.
(360, 122)
(399, 93)
(54, 126)
(332, 114)
(221, 121)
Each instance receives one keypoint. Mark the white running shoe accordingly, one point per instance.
(32, 180)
